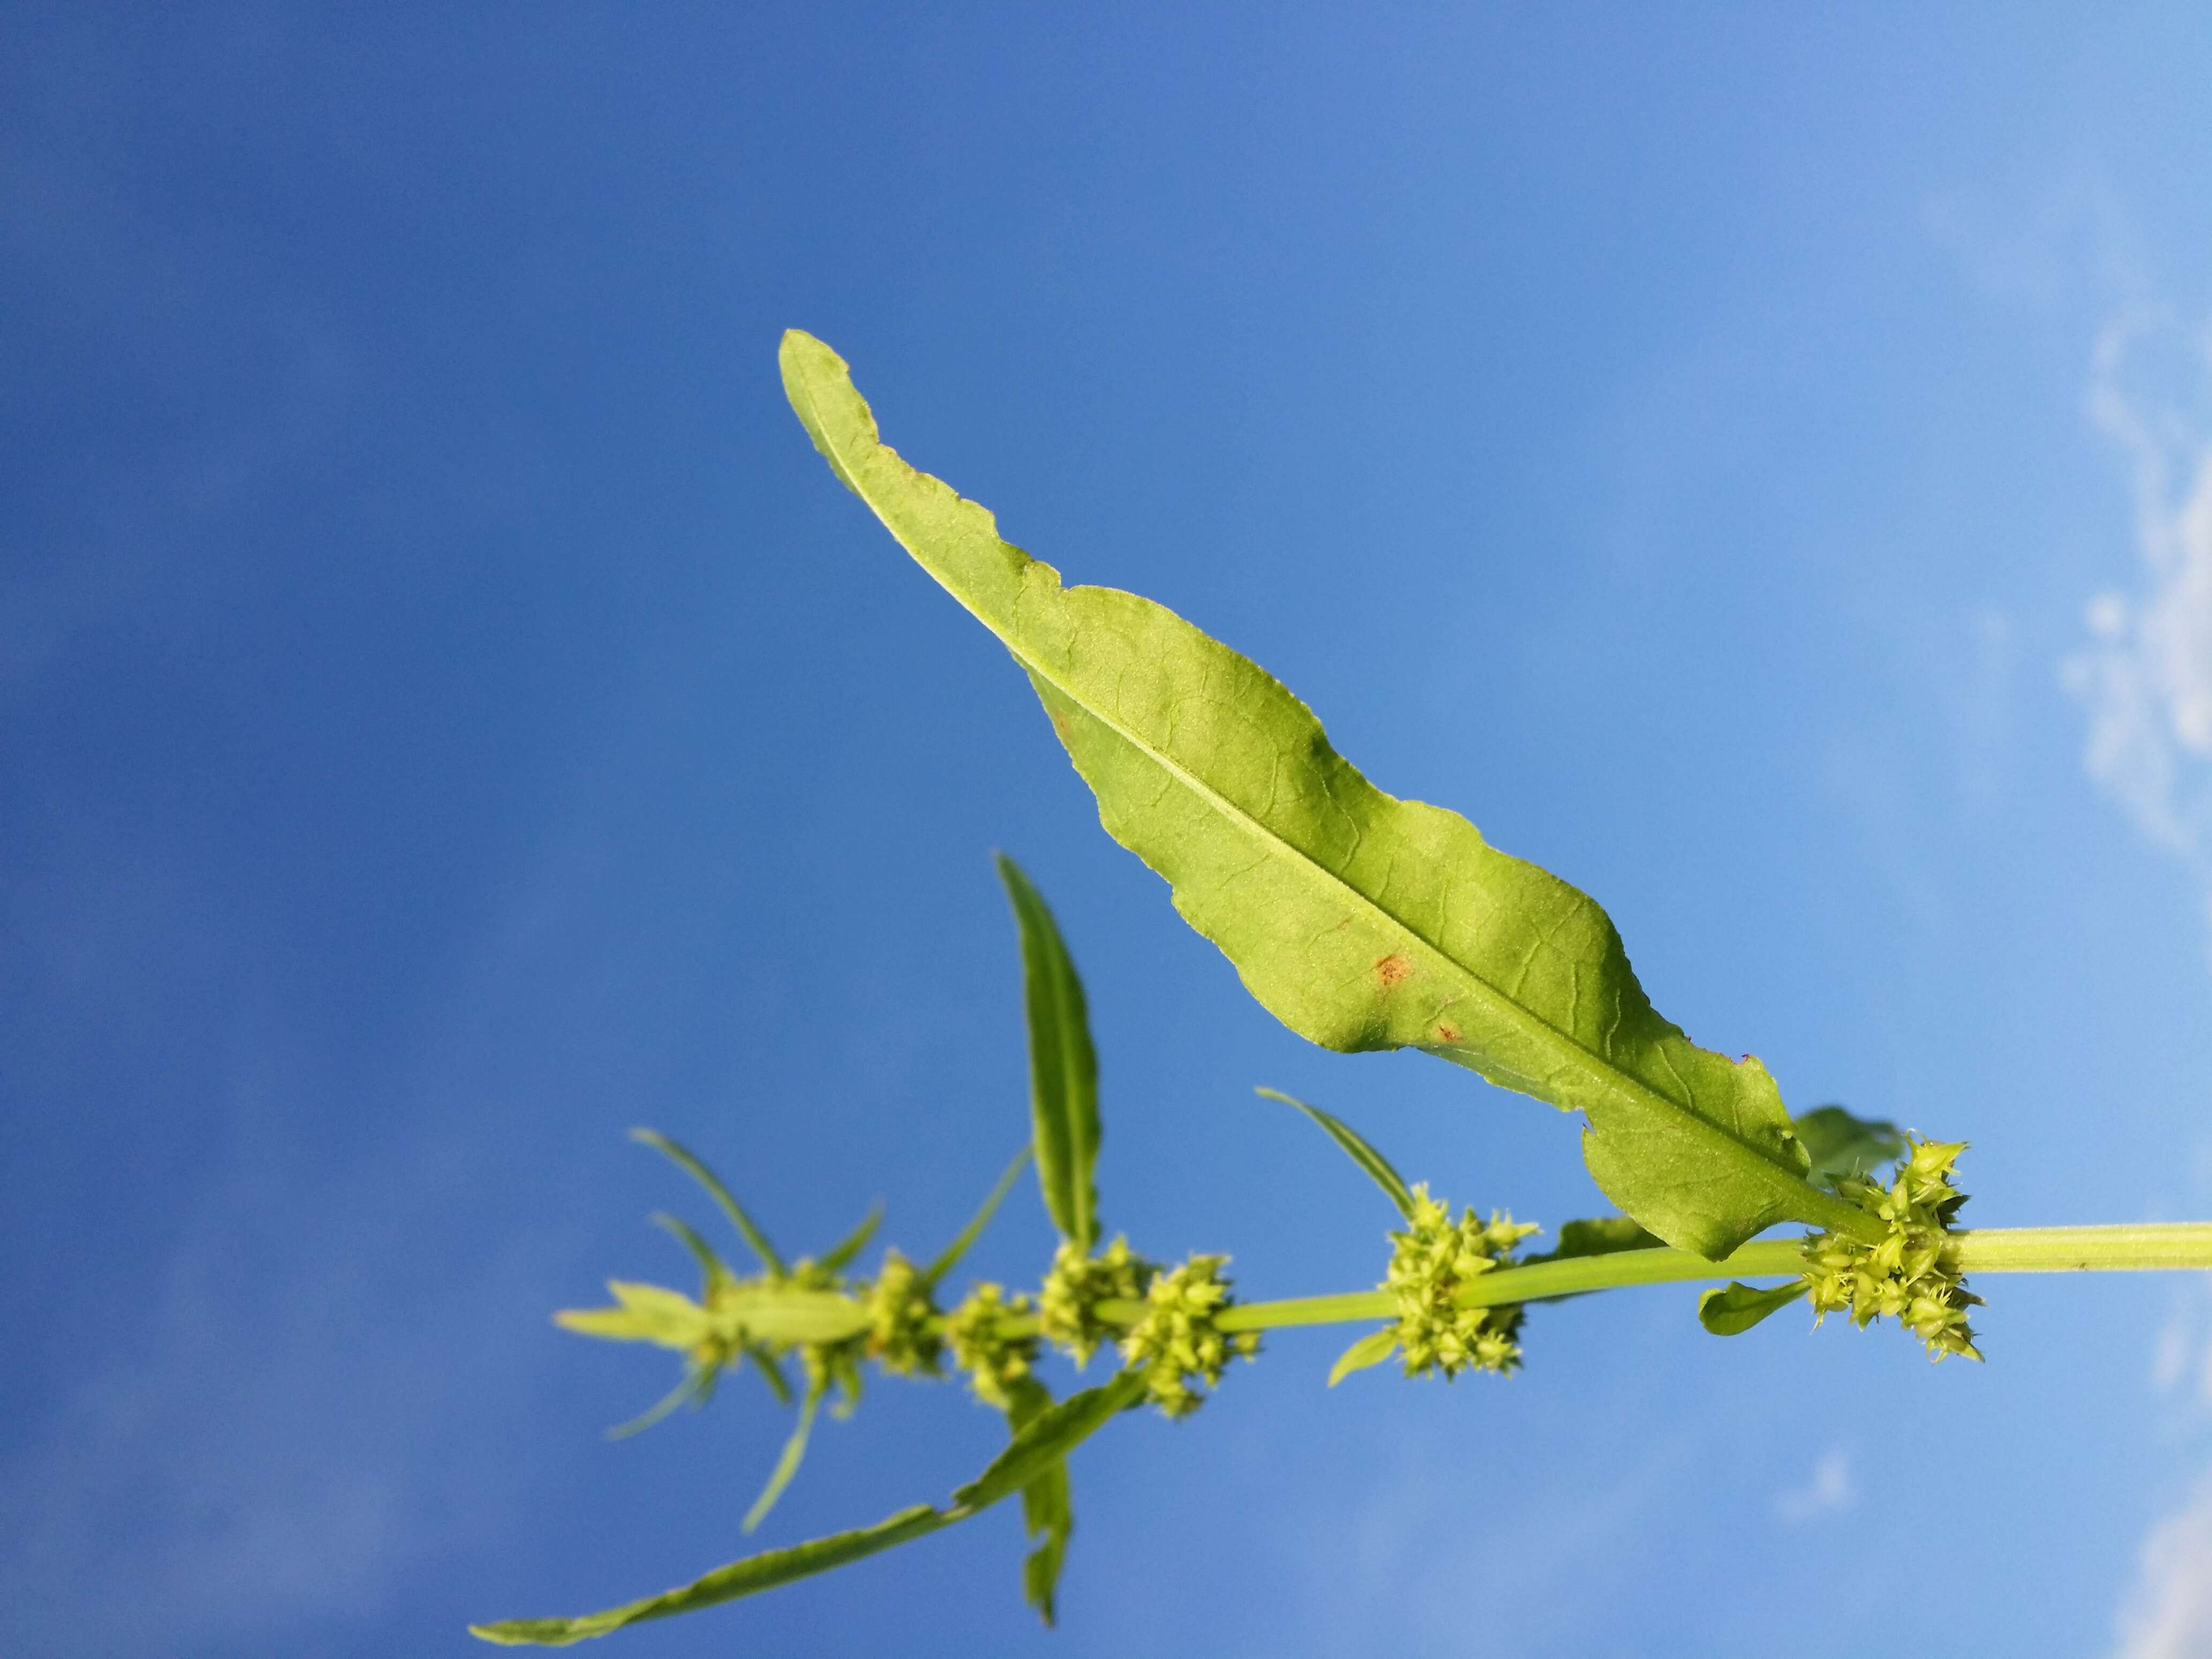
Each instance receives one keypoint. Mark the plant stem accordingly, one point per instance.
(2146, 1246)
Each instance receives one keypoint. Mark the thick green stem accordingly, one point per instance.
(2146, 1246)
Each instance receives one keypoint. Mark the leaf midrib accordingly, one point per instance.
(1603, 1076)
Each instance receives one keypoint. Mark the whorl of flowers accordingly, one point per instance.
(1176, 1342)
(1912, 1274)
(994, 1359)
(1429, 1262)
(1067, 1306)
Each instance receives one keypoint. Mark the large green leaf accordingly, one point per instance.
(1063, 1065)
(1360, 920)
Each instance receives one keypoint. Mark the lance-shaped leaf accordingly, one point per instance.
(749, 1577)
(1355, 1146)
(1039, 1445)
(1736, 1307)
(1360, 920)
(854, 1241)
(1842, 1146)
(1063, 1066)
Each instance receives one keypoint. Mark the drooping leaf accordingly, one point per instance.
(749, 1577)
(1736, 1307)
(684, 1160)
(1360, 920)
(1047, 1511)
(1038, 1446)
(1047, 1438)
(1377, 1167)
(787, 1466)
(856, 1240)
(950, 1256)
(1371, 1349)
(643, 1313)
(1063, 1066)
(1842, 1146)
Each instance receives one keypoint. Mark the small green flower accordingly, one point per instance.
(901, 1317)
(1429, 1263)
(1913, 1273)
(1077, 1282)
(1177, 1339)
(994, 1361)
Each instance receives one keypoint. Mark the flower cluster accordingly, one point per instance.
(1067, 1306)
(1912, 1274)
(1177, 1341)
(994, 1358)
(902, 1337)
(1429, 1263)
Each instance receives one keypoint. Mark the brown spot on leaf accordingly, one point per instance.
(1447, 1033)
(1393, 969)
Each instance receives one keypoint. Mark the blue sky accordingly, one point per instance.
(1753, 464)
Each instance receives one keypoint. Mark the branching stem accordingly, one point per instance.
(2137, 1247)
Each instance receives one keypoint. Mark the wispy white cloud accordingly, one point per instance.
(2168, 1611)
(1827, 1489)
(2145, 675)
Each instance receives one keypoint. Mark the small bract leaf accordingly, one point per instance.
(1356, 1147)
(1047, 1438)
(787, 1465)
(1063, 1066)
(771, 1371)
(1842, 1146)
(1736, 1307)
(646, 1313)
(684, 1159)
(711, 1265)
(856, 1240)
(1360, 920)
(1370, 1349)
(749, 1577)
(950, 1256)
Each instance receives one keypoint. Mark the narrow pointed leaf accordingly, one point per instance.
(777, 1311)
(787, 1465)
(1047, 1438)
(1048, 1509)
(1736, 1307)
(1841, 1145)
(1063, 1066)
(749, 1577)
(1360, 920)
(1377, 1166)
(684, 1159)
(696, 1384)
(856, 1240)
(1371, 1349)
(771, 1371)
(711, 1265)
(950, 1256)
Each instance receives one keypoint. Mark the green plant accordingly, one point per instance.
(1362, 923)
